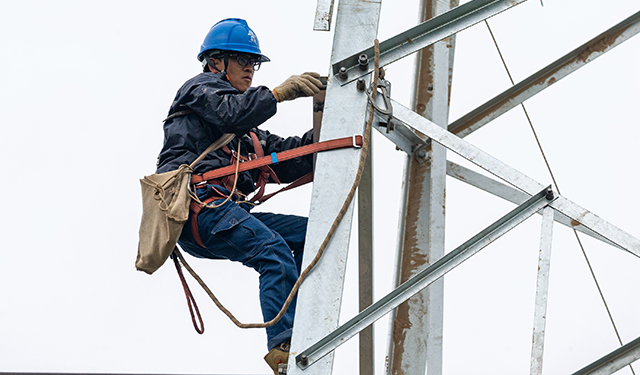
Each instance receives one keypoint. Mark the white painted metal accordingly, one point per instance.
(343, 115)
(415, 343)
(542, 291)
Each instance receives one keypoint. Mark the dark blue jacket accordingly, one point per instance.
(219, 108)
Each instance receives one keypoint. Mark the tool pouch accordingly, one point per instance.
(165, 209)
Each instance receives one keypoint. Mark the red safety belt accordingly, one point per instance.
(274, 158)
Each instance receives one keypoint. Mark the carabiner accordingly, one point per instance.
(385, 86)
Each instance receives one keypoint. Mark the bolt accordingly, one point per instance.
(318, 106)
(549, 194)
(422, 153)
(342, 74)
(304, 360)
(361, 85)
(363, 62)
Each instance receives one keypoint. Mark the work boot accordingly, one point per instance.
(278, 357)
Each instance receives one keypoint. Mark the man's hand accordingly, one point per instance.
(306, 84)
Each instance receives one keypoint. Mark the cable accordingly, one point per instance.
(606, 306)
(523, 107)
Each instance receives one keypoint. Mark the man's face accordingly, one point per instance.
(240, 76)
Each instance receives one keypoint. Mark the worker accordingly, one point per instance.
(221, 100)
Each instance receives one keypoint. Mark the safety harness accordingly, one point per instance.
(224, 177)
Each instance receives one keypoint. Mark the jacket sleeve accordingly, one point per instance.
(228, 110)
(289, 170)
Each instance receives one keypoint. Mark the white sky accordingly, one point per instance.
(85, 85)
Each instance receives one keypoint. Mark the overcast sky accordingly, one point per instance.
(84, 87)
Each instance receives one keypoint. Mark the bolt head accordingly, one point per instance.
(363, 61)
(342, 74)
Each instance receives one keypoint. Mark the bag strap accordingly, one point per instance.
(274, 158)
(220, 142)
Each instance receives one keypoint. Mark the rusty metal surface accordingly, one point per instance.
(546, 77)
(416, 325)
(365, 263)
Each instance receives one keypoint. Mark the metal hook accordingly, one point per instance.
(385, 86)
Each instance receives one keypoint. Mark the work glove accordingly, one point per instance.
(305, 84)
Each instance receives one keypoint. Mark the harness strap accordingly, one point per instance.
(195, 209)
(299, 182)
(353, 141)
(266, 172)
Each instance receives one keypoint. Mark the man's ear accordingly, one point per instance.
(217, 63)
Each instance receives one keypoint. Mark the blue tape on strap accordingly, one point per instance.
(274, 158)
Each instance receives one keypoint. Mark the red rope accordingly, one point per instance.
(191, 302)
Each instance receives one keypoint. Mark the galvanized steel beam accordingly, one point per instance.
(324, 13)
(613, 361)
(343, 115)
(546, 77)
(542, 291)
(590, 220)
(427, 276)
(416, 325)
(419, 37)
(365, 262)
(514, 195)
(426, 130)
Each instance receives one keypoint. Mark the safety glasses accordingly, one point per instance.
(244, 60)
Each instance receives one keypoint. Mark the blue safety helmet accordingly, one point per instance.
(231, 34)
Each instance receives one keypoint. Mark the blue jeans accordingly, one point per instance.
(271, 244)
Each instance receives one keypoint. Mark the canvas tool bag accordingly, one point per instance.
(165, 209)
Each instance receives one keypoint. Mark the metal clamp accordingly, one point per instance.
(354, 139)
